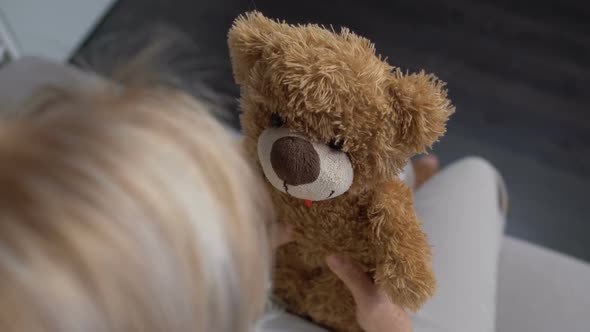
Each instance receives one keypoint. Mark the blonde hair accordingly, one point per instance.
(132, 211)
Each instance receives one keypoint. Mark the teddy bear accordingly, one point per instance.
(331, 124)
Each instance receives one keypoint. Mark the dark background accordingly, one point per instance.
(518, 72)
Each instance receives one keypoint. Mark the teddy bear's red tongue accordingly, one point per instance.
(308, 202)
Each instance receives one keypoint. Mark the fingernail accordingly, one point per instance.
(335, 261)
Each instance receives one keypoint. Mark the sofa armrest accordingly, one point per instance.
(541, 290)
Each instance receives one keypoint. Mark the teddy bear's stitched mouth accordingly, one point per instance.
(286, 186)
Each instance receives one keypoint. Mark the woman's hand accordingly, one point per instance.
(282, 233)
(375, 312)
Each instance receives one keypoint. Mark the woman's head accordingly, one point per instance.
(132, 212)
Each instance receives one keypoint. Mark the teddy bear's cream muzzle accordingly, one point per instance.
(302, 168)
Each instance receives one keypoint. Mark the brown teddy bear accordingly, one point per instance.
(331, 125)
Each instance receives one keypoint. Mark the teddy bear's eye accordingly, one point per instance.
(277, 120)
(336, 143)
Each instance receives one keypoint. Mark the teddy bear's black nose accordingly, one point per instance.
(295, 160)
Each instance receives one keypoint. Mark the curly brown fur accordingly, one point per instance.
(330, 85)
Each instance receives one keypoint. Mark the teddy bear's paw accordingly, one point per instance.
(410, 291)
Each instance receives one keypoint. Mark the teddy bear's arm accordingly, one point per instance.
(403, 264)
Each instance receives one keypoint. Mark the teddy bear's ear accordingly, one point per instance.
(247, 38)
(421, 108)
